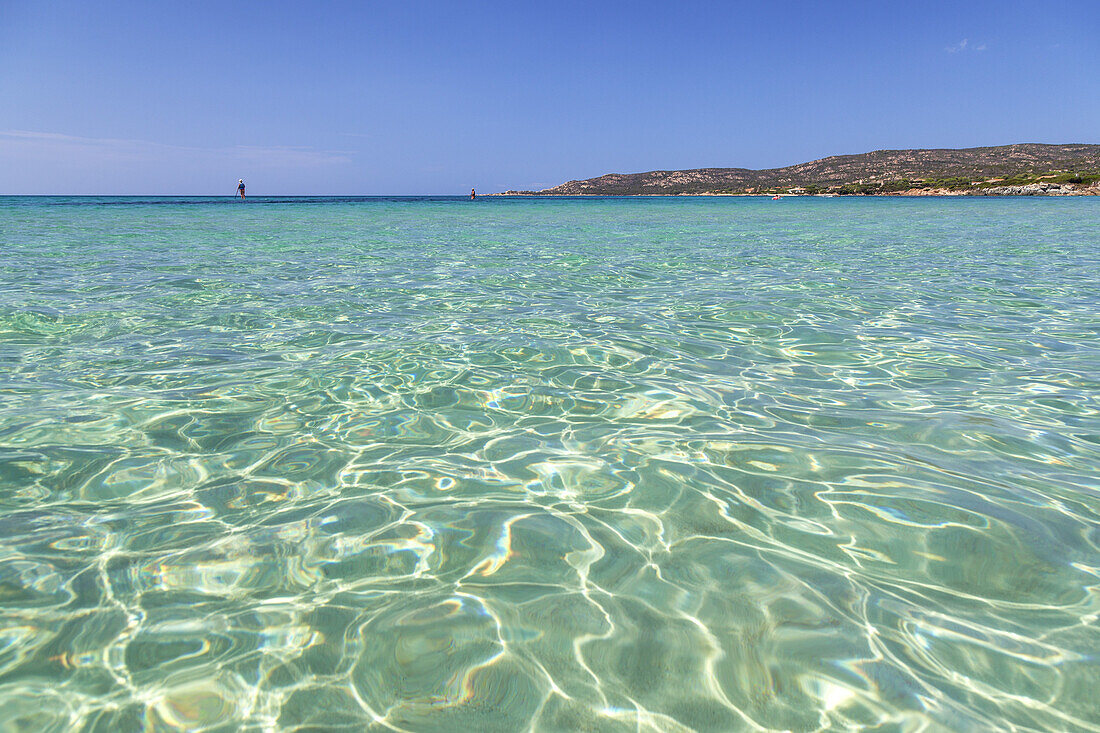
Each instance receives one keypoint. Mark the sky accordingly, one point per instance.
(424, 97)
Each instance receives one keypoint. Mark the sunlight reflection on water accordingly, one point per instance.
(655, 464)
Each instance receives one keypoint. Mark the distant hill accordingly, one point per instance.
(1023, 168)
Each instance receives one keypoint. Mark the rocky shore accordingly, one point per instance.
(1031, 189)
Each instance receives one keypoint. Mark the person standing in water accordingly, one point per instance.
(472, 194)
(240, 187)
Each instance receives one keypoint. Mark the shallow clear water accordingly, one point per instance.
(641, 464)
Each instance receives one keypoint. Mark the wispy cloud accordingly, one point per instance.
(26, 143)
(965, 46)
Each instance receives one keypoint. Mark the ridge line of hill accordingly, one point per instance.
(1020, 169)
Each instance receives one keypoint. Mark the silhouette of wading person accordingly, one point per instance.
(240, 187)
(473, 195)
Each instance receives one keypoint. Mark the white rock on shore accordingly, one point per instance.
(1031, 189)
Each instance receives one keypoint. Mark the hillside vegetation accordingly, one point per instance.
(1025, 168)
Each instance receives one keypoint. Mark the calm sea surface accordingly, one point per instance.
(638, 464)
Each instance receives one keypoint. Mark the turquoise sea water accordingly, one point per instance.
(639, 464)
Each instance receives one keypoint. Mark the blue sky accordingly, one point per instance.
(436, 97)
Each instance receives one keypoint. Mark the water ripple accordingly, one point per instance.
(665, 465)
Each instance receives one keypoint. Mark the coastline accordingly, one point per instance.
(1013, 191)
